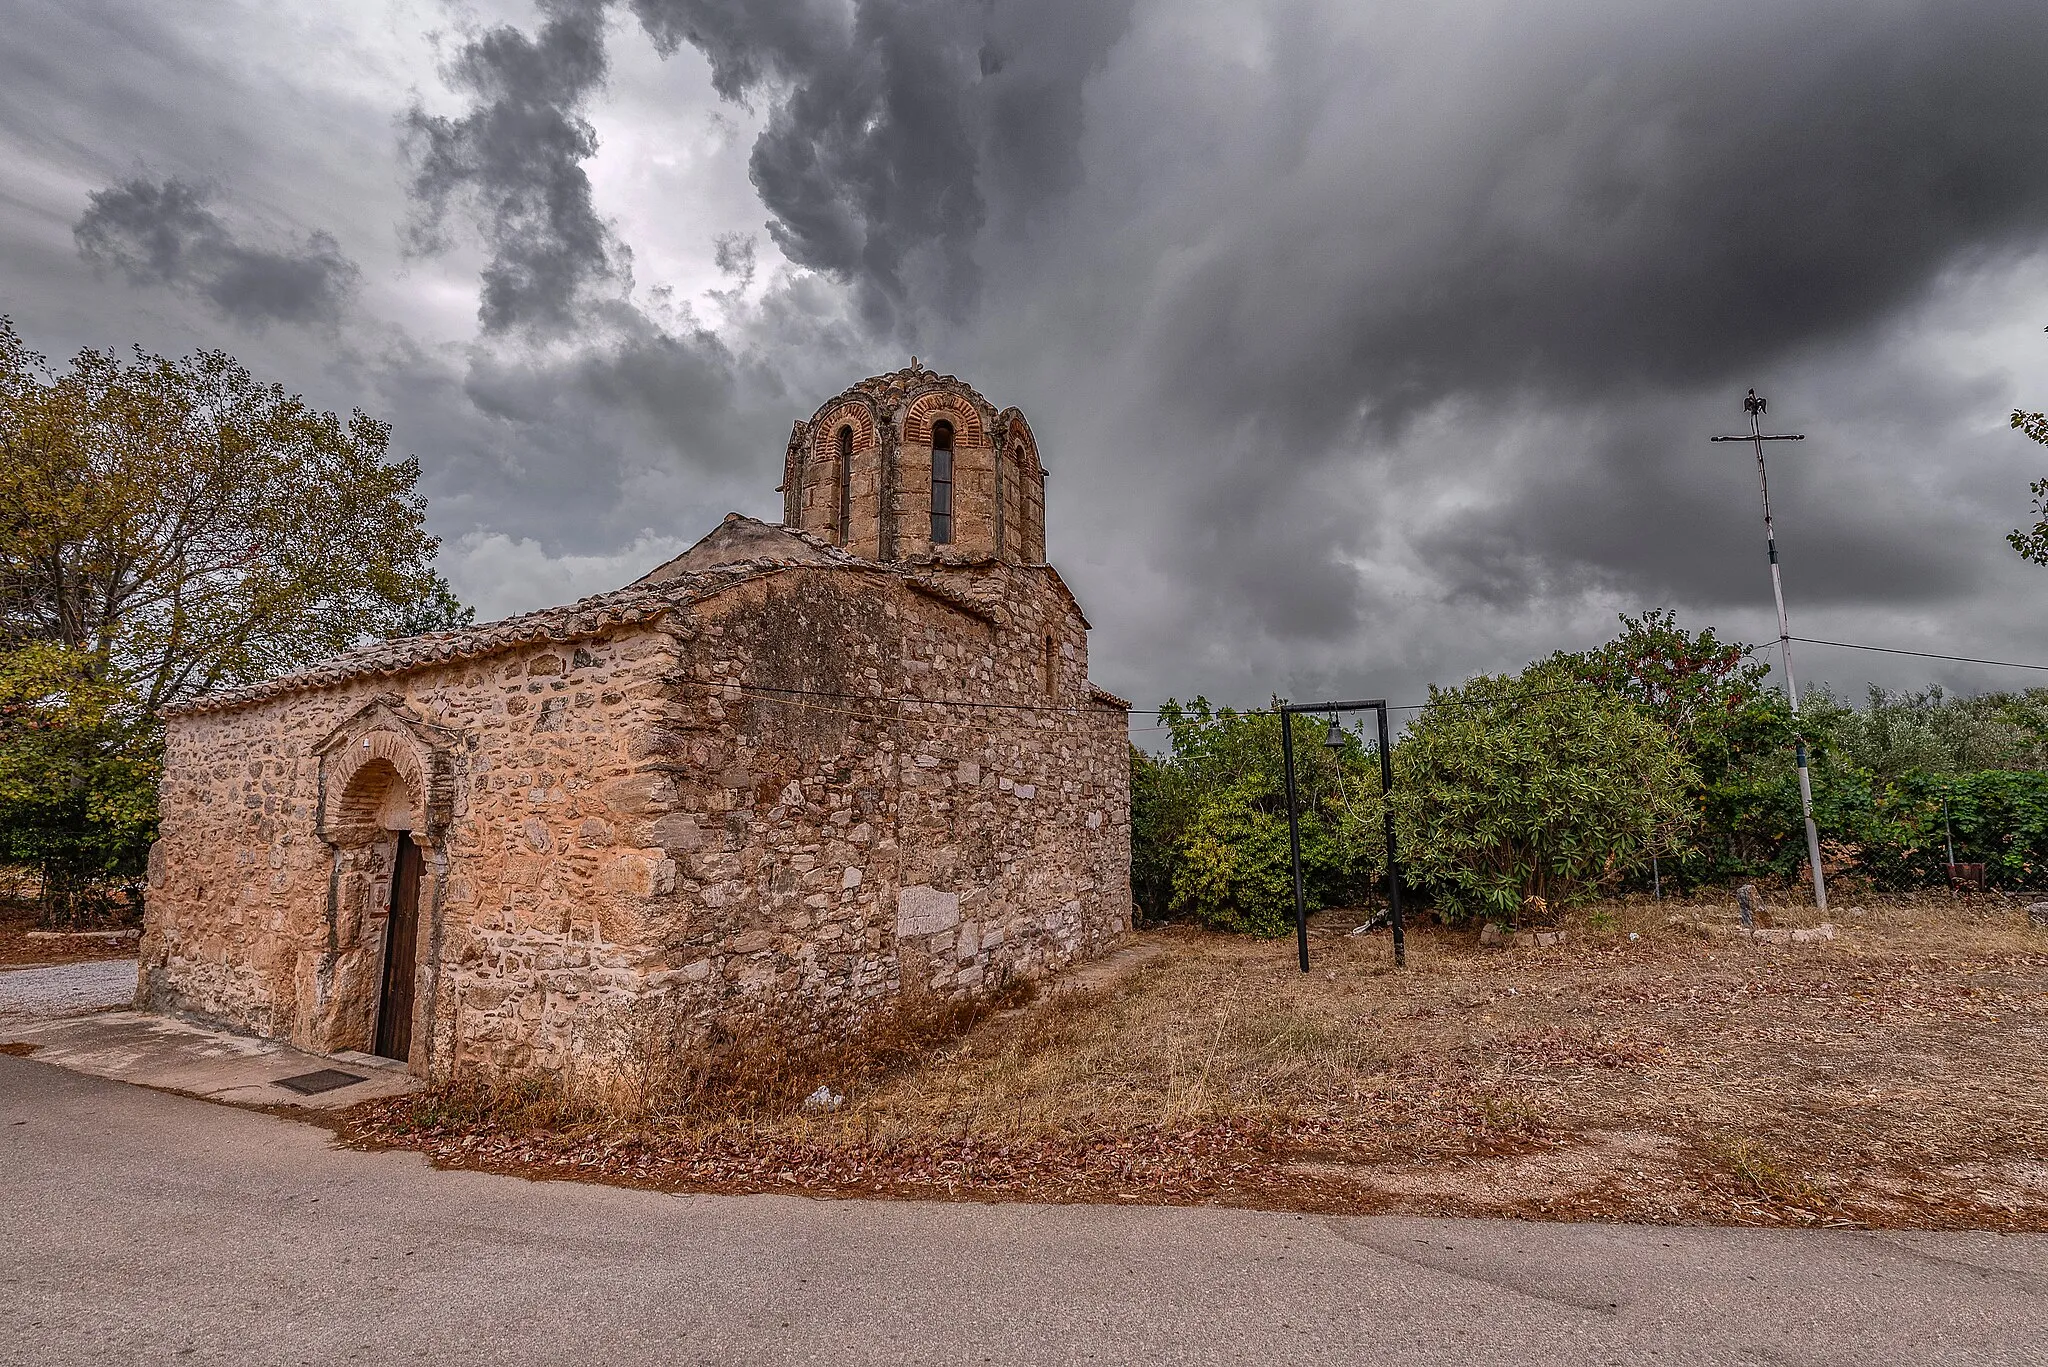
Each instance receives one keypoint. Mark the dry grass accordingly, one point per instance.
(1895, 1076)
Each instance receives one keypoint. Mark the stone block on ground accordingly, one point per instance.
(1786, 935)
(1493, 935)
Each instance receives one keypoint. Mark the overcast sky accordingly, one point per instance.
(1369, 344)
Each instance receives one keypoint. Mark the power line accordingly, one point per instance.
(1919, 654)
(777, 693)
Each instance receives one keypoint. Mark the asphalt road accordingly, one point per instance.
(138, 1227)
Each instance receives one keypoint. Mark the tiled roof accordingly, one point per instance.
(1097, 693)
(585, 618)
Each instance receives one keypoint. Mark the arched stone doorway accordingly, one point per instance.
(379, 815)
(385, 800)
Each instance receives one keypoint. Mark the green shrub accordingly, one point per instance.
(1889, 832)
(1561, 783)
(1534, 786)
(1209, 821)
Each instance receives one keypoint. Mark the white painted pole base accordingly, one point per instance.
(1820, 881)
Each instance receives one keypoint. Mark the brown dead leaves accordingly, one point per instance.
(1893, 1076)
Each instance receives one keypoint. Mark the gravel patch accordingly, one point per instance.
(67, 989)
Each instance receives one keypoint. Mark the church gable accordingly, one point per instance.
(740, 539)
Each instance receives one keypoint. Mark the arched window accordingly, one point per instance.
(942, 482)
(845, 483)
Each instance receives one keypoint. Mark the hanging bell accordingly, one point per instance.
(1334, 737)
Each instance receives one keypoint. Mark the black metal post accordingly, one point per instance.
(1287, 711)
(1393, 868)
(1294, 837)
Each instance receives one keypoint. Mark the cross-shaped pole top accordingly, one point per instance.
(1755, 405)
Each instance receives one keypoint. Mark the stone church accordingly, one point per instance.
(798, 769)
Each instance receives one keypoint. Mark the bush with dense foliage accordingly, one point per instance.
(1563, 781)
(1209, 820)
(1535, 786)
(1713, 699)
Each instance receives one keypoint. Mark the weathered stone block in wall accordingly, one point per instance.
(640, 794)
(678, 832)
(641, 876)
(925, 911)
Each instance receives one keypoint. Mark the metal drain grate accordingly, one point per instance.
(326, 1080)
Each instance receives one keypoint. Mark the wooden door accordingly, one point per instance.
(401, 950)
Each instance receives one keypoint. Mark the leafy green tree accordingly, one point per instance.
(169, 528)
(2033, 545)
(437, 610)
(1163, 806)
(79, 763)
(1896, 733)
(1734, 730)
(1694, 683)
(186, 527)
(1535, 786)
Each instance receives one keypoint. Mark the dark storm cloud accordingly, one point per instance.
(1501, 270)
(886, 121)
(1367, 341)
(1311, 286)
(897, 128)
(1645, 199)
(162, 233)
(868, 158)
(516, 159)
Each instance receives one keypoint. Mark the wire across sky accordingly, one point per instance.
(796, 696)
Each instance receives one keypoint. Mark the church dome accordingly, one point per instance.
(914, 463)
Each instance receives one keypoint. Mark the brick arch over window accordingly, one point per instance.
(359, 780)
(1018, 442)
(968, 428)
(825, 431)
(1020, 498)
(824, 491)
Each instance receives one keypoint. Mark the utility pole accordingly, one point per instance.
(1754, 406)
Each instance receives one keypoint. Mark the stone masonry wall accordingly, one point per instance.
(256, 921)
(890, 418)
(829, 851)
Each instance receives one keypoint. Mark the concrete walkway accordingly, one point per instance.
(139, 1227)
(178, 1056)
(60, 1015)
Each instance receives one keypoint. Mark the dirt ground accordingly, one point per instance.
(18, 917)
(1653, 1067)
